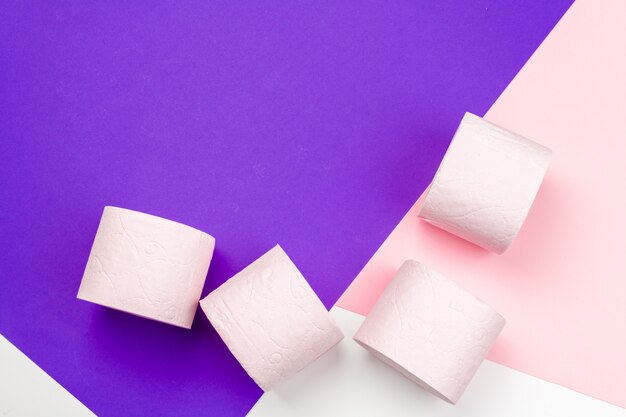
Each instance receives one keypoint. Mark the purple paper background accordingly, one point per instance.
(315, 125)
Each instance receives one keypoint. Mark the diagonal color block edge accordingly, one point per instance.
(560, 285)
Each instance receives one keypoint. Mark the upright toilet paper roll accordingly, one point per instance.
(270, 319)
(429, 329)
(147, 266)
(486, 184)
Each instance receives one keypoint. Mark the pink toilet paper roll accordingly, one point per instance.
(430, 330)
(486, 184)
(270, 319)
(147, 266)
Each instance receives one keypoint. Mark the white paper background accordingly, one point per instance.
(348, 381)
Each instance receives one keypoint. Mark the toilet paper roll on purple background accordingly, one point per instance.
(430, 330)
(486, 184)
(147, 266)
(270, 319)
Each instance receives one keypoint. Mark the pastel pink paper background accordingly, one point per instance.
(562, 284)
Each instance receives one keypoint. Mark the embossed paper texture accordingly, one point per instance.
(486, 184)
(431, 330)
(270, 319)
(147, 266)
(560, 285)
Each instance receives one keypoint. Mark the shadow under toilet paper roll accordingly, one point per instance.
(431, 330)
(147, 266)
(485, 184)
(271, 319)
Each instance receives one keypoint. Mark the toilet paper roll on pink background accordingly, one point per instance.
(486, 184)
(147, 266)
(270, 319)
(431, 330)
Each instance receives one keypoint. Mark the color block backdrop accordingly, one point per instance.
(314, 125)
(560, 285)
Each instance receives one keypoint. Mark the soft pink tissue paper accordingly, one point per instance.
(486, 184)
(431, 330)
(270, 319)
(147, 266)
(561, 283)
